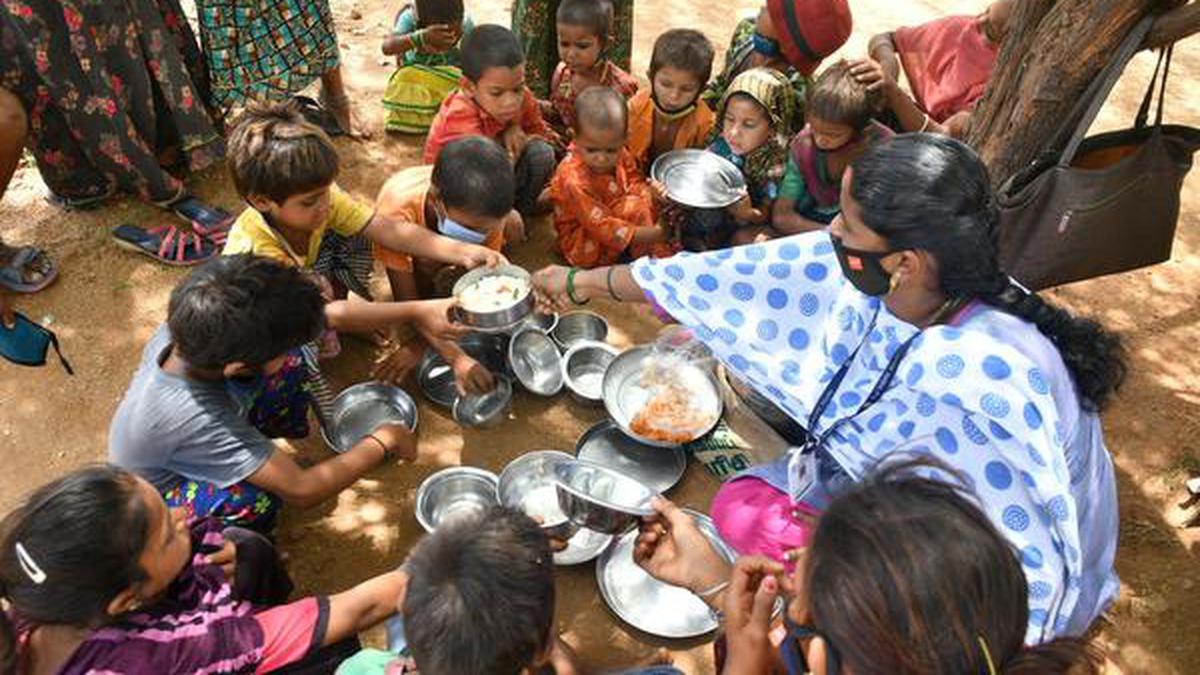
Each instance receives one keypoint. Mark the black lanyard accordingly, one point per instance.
(881, 385)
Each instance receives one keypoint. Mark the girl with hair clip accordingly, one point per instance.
(895, 329)
(904, 575)
(99, 575)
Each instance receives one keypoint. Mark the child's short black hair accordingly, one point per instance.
(838, 97)
(594, 15)
(490, 46)
(243, 309)
(275, 153)
(601, 108)
(683, 48)
(435, 12)
(474, 174)
(480, 596)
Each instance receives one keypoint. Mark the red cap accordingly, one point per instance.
(810, 30)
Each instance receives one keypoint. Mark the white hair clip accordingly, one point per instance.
(35, 573)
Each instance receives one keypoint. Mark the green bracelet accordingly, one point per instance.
(571, 287)
(417, 38)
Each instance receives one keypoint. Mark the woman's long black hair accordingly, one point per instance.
(931, 192)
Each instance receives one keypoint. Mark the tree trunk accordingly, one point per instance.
(1053, 50)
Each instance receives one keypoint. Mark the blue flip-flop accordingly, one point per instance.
(12, 276)
(210, 218)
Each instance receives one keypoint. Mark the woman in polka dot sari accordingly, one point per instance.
(896, 332)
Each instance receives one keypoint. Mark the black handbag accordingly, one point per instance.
(1108, 203)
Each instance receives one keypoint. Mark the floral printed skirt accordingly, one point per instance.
(533, 22)
(116, 92)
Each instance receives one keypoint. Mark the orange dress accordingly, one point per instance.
(694, 129)
(596, 215)
(461, 116)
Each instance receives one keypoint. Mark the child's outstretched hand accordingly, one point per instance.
(473, 256)
(753, 588)
(743, 211)
(471, 377)
(433, 320)
(671, 548)
(399, 440)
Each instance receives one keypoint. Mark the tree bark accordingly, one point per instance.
(1174, 25)
(1053, 50)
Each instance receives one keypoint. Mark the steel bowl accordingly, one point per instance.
(535, 362)
(699, 179)
(455, 492)
(658, 468)
(498, 320)
(481, 410)
(584, 546)
(583, 368)
(527, 484)
(599, 498)
(361, 409)
(625, 393)
(436, 378)
(578, 326)
(648, 604)
(543, 322)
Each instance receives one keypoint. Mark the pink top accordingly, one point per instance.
(947, 62)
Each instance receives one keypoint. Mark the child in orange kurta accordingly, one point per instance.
(604, 209)
(669, 115)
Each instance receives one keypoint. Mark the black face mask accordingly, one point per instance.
(863, 269)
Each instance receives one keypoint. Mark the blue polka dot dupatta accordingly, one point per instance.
(783, 317)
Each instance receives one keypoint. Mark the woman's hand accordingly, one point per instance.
(433, 320)
(472, 256)
(550, 289)
(672, 549)
(471, 377)
(749, 603)
(872, 74)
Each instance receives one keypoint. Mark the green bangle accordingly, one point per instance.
(417, 38)
(571, 287)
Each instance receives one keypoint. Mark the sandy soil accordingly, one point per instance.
(108, 302)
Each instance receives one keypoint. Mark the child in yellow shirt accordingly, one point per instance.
(285, 168)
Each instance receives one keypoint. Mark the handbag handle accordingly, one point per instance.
(1164, 62)
(1094, 96)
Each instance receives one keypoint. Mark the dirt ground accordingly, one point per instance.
(108, 302)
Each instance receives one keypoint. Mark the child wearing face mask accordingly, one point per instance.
(493, 101)
(840, 128)
(604, 210)
(584, 29)
(467, 195)
(666, 116)
(755, 113)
